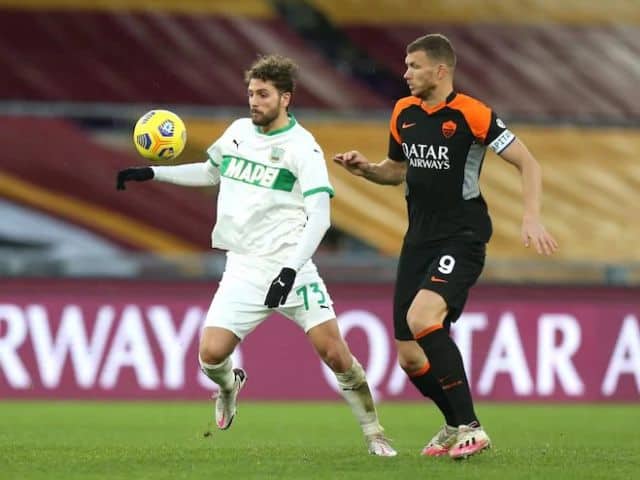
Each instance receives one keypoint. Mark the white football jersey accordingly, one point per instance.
(263, 181)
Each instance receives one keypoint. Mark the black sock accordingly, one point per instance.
(429, 387)
(448, 369)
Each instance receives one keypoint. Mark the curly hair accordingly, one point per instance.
(279, 70)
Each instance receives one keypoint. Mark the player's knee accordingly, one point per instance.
(426, 315)
(410, 364)
(411, 357)
(212, 355)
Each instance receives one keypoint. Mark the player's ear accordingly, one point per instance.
(285, 99)
(442, 71)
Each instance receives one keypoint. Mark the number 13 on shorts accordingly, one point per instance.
(312, 294)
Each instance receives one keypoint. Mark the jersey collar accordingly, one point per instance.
(440, 105)
(287, 127)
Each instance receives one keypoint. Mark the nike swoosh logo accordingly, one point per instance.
(438, 280)
(280, 282)
(408, 125)
(451, 385)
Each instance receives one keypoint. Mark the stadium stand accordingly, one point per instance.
(244, 8)
(533, 72)
(58, 169)
(160, 58)
(419, 12)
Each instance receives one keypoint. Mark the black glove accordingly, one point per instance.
(139, 174)
(280, 288)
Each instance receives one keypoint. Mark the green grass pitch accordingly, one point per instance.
(85, 440)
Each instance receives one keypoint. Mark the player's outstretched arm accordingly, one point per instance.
(387, 172)
(190, 174)
(533, 231)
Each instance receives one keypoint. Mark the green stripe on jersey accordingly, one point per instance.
(254, 173)
(329, 190)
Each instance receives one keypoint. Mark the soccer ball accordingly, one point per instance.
(159, 135)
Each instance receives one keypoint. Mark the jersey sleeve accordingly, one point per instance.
(394, 151)
(485, 125)
(188, 174)
(499, 136)
(312, 171)
(214, 152)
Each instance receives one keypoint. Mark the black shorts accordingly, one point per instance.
(449, 269)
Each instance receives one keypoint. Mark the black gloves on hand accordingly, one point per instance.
(280, 288)
(139, 174)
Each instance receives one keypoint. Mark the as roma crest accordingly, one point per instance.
(449, 128)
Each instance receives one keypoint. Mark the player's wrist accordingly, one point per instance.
(368, 171)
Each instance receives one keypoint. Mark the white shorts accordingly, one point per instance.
(238, 304)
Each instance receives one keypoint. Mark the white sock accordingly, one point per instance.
(355, 390)
(220, 373)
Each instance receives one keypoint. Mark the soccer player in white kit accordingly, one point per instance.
(273, 210)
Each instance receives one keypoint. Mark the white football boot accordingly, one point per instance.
(379, 446)
(227, 401)
(441, 442)
(470, 440)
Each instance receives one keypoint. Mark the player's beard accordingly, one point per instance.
(427, 91)
(264, 119)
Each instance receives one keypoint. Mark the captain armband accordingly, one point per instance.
(503, 141)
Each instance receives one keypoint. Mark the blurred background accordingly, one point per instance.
(79, 259)
(77, 74)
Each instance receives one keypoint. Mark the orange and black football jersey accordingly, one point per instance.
(444, 147)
